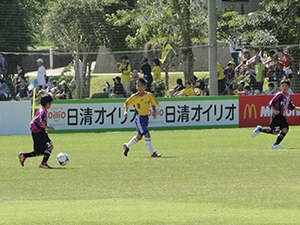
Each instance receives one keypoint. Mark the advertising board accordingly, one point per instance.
(179, 112)
(254, 110)
(15, 117)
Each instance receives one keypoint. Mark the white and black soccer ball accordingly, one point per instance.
(62, 158)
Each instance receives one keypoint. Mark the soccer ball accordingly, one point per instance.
(62, 159)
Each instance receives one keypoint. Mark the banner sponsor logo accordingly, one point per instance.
(250, 110)
(107, 115)
(254, 110)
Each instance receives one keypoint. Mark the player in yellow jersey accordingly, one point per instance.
(156, 70)
(141, 101)
(125, 69)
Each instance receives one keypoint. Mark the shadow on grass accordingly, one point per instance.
(163, 157)
(63, 168)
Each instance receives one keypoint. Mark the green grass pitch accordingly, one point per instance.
(214, 176)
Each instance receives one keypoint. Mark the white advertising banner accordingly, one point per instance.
(15, 118)
(105, 115)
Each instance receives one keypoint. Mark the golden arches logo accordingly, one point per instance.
(249, 108)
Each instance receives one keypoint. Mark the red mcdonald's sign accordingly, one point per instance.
(254, 110)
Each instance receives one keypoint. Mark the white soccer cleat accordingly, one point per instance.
(276, 147)
(256, 131)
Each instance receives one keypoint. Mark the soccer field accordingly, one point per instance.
(214, 176)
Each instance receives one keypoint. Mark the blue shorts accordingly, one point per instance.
(141, 123)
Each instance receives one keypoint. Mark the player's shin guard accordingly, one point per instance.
(267, 130)
(279, 139)
(30, 154)
(47, 154)
(149, 145)
(132, 142)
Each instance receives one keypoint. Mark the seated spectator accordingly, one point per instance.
(22, 90)
(4, 91)
(118, 89)
(134, 78)
(108, 88)
(40, 93)
(21, 72)
(64, 92)
(178, 88)
(53, 91)
(188, 91)
(253, 90)
(247, 90)
(240, 89)
(200, 85)
(270, 90)
(229, 75)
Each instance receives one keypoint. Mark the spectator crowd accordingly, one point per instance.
(257, 74)
(18, 87)
(245, 74)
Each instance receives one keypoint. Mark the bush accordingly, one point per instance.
(159, 88)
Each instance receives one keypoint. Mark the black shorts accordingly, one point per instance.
(221, 86)
(41, 142)
(278, 122)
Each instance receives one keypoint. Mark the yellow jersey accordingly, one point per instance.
(125, 77)
(156, 73)
(188, 92)
(221, 75)
(141, 103)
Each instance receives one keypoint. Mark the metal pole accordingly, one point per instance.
(213, 74)
(51, 58)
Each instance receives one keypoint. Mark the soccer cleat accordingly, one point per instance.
(256, 131)
(45, 166)
(22, 158)
(276, 146)
(126, 150)
(155, 155)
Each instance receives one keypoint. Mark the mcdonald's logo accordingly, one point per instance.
(249, 108)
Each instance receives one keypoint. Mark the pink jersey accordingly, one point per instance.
(282, 102)
(40, 119)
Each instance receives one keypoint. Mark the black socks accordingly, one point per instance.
(279, 139)
(47, 154)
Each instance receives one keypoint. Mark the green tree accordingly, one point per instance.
(286, 13)
(258, 33)
(16, 31)
(116, 34)
(37, 9)
(79, 27)
(180, 23)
